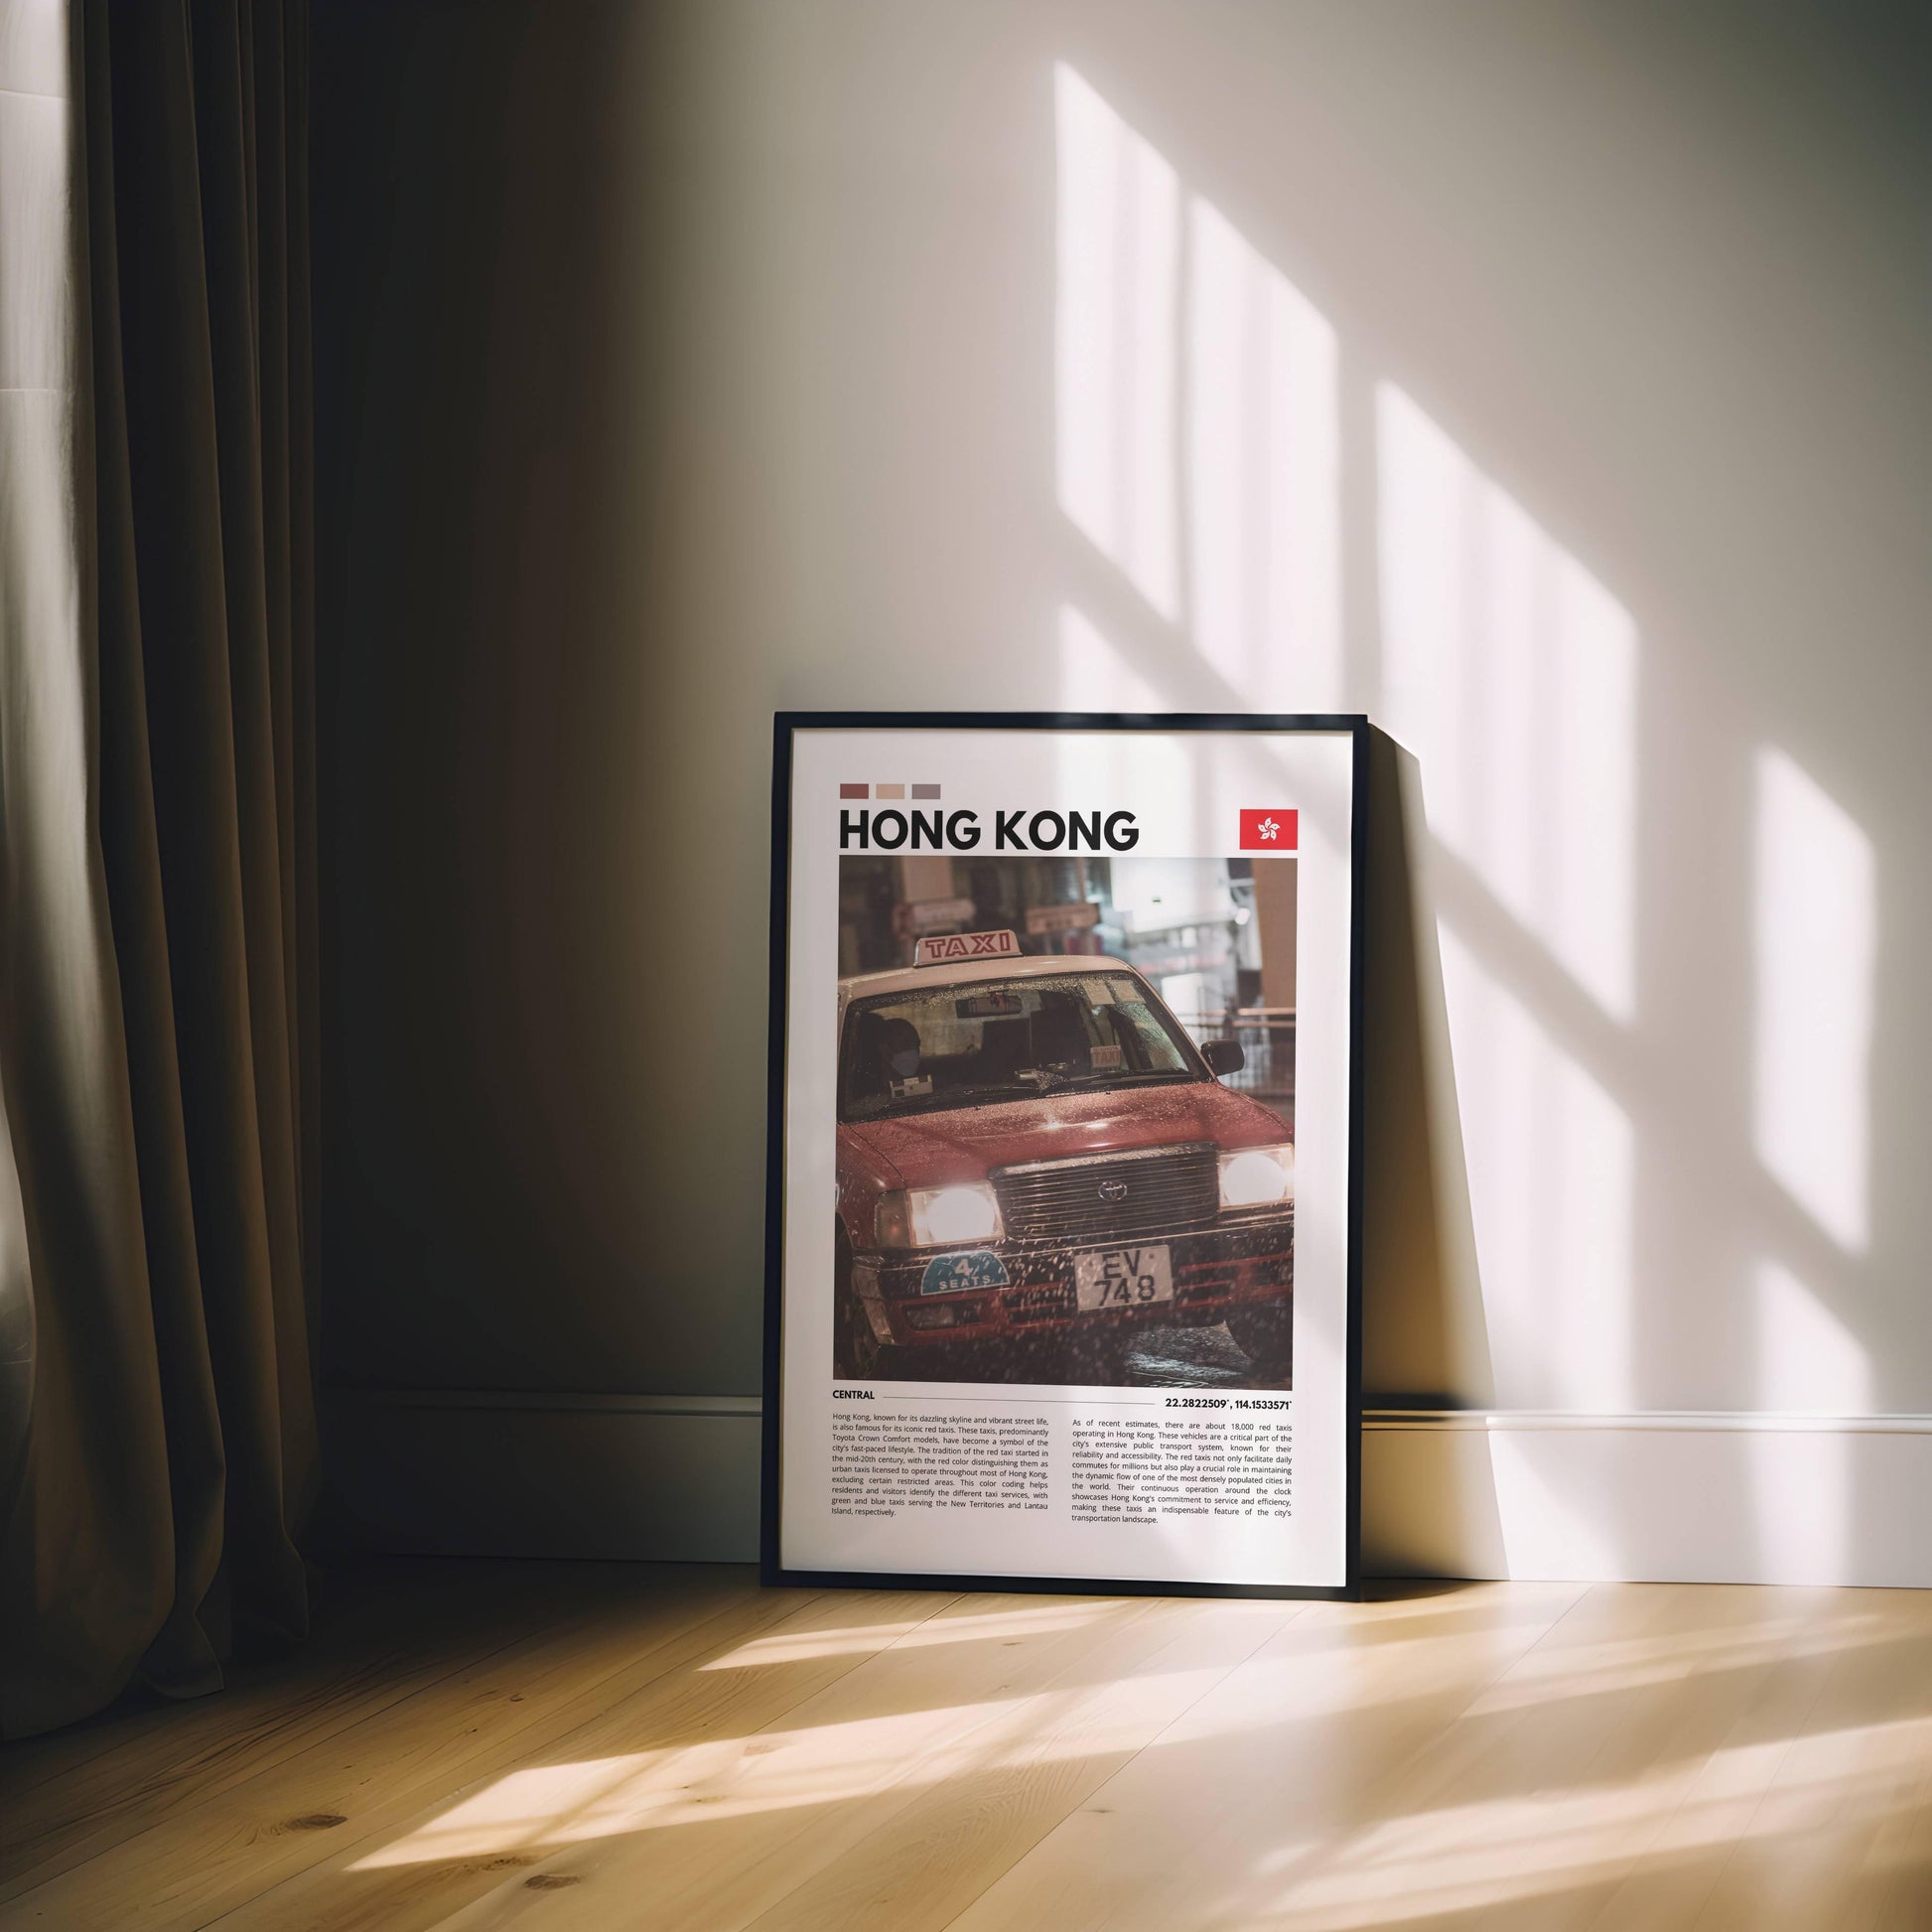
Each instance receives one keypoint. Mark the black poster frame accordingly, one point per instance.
(786, 724)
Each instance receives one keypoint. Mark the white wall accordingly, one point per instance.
(1548, 382)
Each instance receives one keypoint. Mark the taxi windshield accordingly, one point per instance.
(920, 1050)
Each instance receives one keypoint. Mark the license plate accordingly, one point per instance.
(1123, 1278)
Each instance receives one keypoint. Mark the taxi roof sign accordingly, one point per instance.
(953, 948)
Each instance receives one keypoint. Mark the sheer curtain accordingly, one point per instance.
(158, 1092)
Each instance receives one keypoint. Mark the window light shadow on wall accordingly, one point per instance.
(1808, 1361)
(1119, 235)
(1815, 954)
(1512, 675)
(1506, 668)
(1262, 476)
(1190, 370)
(1089, 664)
(1201, 400)
(1552, 1160)
(1816, 960)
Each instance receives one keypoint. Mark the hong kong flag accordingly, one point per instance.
(1268, 831)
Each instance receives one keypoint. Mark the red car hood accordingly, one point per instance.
(963, 1143)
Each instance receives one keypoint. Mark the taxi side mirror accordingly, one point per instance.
(1224, 1056)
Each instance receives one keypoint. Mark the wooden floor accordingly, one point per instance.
(560, 1747)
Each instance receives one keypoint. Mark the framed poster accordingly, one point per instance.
(1064, 1203)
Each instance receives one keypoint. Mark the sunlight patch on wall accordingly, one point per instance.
(1546, 1532)
(1817, 942)
(1198, 416)
(1264, 454)
(1552, 1162)
(1801, 1487)
(1119, 242)
(1093, 675)
(1512, 675)
(1808, 1360)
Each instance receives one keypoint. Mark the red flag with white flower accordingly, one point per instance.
(1268, 831)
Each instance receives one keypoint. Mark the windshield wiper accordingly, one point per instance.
(1041, 1078)
(952, 1096)
(1028, 1081)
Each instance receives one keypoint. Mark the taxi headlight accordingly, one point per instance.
(938, 1217)
(1258, 1177)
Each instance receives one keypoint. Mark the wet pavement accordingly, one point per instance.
(1155, 1358)
(1194, 1358)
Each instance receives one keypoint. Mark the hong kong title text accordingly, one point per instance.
(1014, 831)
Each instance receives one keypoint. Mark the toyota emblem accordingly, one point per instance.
(1113, 1190)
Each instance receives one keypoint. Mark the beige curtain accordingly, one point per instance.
(158, 1001)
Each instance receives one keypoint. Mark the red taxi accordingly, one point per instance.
(1033, 1147)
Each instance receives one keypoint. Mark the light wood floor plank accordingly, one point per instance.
(710, 1837)
(557, 1748)
(34, 1769)
(1211, 1820)
(209, 1844)
(770, 1651)
(1017, 1780)
(395, 1643)
(1843, 1786)
(1537, 1804)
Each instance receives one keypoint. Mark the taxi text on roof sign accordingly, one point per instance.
(947, 948)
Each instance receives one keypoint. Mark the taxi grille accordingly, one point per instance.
(1166, 1191)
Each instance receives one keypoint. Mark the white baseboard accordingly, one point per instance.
(1664, 1498)
(1727, 1498)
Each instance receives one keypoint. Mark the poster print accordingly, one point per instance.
(1062, 1241)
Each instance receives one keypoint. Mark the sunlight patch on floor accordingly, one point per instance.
(1494, 1852)
(781, 1768)
(793, 1648)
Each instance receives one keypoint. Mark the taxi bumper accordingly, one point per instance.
(1249, 1264)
